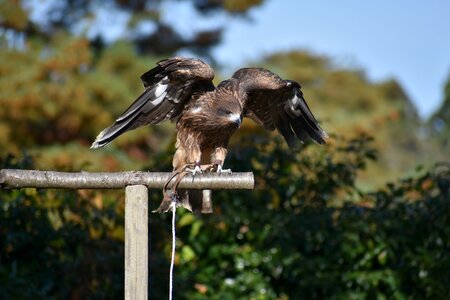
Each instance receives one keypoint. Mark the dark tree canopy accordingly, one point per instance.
(163, 40)
(439, 123)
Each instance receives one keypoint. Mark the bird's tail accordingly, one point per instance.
(109, 134)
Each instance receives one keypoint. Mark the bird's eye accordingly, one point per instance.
(225, 111)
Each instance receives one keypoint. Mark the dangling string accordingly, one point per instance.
(174, 208)
(174, 196)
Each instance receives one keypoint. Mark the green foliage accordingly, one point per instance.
(439, 123)
(58, 244)
(12, 15)
(306, 232)
(59, 96)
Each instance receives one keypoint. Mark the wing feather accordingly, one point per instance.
(149, 98)
(283, 127)
(277, 103)
(168, 87)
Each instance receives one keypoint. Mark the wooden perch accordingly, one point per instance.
(14, 178)
(136, 186)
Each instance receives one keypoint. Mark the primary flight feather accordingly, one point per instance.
(181, 90)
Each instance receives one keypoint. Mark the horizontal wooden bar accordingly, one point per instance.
(15, 178)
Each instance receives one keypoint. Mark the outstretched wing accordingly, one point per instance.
(278, 104)
(168, 87)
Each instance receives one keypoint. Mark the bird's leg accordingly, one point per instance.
(170, 195)
(219, 169)
(197, 168)
(218, 157)
(193, 157)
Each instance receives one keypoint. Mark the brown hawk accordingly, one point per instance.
(181, 90)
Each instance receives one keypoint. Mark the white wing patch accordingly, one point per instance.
(159, 98)
(160, 88)
(294, 102)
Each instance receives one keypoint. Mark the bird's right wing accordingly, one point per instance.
(168, 87)
(278, 104)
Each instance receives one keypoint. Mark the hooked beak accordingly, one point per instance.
(236, 119)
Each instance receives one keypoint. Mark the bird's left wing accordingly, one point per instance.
(278, 104)
(168, 87)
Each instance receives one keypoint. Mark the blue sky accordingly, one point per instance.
(408, 40)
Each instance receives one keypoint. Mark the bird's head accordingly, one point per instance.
(220, 109)
(228, 112)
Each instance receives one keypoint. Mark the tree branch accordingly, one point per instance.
(13, 178)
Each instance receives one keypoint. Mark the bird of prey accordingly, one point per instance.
(181, 90)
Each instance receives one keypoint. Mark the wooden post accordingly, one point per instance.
(136, 242)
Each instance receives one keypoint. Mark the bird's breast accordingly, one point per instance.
(207, 137)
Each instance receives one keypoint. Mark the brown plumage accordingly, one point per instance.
(181, 90)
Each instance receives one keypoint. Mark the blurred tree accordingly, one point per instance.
(55, 95)
(307, 232)
(52, 17)
(57, 89)
(346, 102)
(439, 123)
(13, 15)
